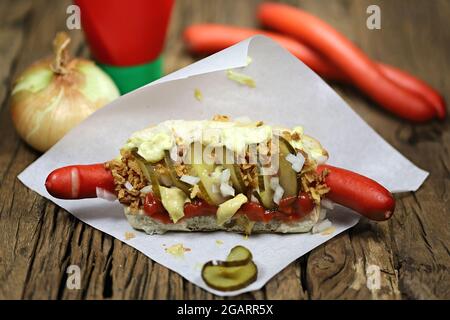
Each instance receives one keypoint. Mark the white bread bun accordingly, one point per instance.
(143, 222)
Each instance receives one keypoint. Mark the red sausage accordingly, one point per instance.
(342, 53)
(413, 84)
(359, 193)
(210, 38)
(347, 188)
(79, 181)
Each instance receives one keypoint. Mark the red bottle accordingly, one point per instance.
(126, 37)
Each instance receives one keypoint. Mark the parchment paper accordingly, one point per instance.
(287, 93)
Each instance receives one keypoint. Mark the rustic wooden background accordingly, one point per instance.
(39, 240)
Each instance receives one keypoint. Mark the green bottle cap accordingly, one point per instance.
(132, 77)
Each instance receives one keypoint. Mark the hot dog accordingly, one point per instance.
(163, 192)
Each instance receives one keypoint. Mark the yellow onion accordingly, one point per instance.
(53, 95)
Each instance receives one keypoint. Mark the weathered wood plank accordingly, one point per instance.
(11, 39)
(419, 232)
(345, 267)
(30, 231)
(338, 269)
(288, 284)
(40, 240)
(408, 52)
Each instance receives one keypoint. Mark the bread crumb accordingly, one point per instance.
(219, 242)
(177, 250)
(295, 136)
(181, 170)
(287, 135)
(129, 235)
(221, 117)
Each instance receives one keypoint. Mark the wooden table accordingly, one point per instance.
(38, 240)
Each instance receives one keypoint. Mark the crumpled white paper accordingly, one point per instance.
(287, 93)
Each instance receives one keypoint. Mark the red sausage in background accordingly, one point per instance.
(415, 85)
(347, 57)
(211, 38)
(79, 181)
(359, 193)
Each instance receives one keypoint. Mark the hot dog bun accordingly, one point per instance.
(140, 221)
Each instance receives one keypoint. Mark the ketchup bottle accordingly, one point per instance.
(126, 38)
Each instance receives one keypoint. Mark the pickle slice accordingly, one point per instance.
(288, 176)
(150, 174)
(173, 174)
(237, 272)
(261, 184)
(229, 278)
(239, 256)
(204, 171)
(258, 197)
(235, 172)
(265, 194)
(236, 177)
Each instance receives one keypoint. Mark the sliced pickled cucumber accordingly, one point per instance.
(235, 172)
(257, 196)
(229, 278)
(204, 195)
(265, 194)
(236, 177)
(237, 272)
(150, 174)
(287, 175)
(144, 169)
(261, 184)
(206, 184)
(239, 256)
(173, 174)
(204, 171)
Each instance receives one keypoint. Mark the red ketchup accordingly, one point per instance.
(290, 209)
(294, 208)
(255, 212)
(154, 208)
(199, 208)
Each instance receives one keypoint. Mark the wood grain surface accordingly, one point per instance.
(38, 240)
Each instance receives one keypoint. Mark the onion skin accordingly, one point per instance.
(45, 105)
